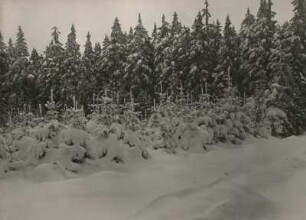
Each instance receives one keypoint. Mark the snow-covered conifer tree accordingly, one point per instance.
(113, 57)
(258, 50)
(53, 69)
(161, 46)
(73, 69)
(139, 65)
(21, 44)
(228, 61)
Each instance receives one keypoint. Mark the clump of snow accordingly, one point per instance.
(48, 133)
(112, 150)
(28, 150)
(71, 157)
(72, 136)
(276, 119)
(137, 144)
(190, 136)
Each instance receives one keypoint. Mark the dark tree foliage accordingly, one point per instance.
(209, 57)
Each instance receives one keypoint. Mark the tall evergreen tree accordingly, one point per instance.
(74, 69)
(97, 50)
(11, 51)
(4, 92)
(18, 77)
(34, 69)
(175, 71)
(169, 64)
(2, 44)
(182, 59)
(113, 57)
(154, 33)
(258, 51)
(262, 11)
(246, 41)
(21, 45)
(299, 17)
(53, 69)
(201, 67)
(88, 77)
(228, 61)
(139, 68)
(288, 64)
(88, 51)
(206, 14)
(246, 24)
(161, 46)
(299, 28)
(103, 76)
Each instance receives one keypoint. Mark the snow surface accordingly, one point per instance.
(262, 180)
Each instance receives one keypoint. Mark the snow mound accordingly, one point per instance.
(190, 136)
(71, 157)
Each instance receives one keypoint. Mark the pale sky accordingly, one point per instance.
(37, 17)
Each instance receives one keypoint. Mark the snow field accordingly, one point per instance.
(264, 179)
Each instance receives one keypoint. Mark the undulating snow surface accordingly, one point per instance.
(262, 180)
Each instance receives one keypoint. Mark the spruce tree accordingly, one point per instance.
(18, 77)
(53, 69)
(258, 50)
(170, 64)
(246, 24)
(213, 39)
(176, 47)
(299, 17)
(199, 55)
(139, 66)
(298, 23)
(154, 33)
(113, 57)
(182, 61)
(206, 14)
(4, 92)
(88, 51)
(11, 51)
(2, 44)
(228, 67)
(246, 41)
(72, 77)
(103, 76)
(21, 45)
(33, 70)
(88, 76)
(287, 63)
(161, 46)
(97, 50)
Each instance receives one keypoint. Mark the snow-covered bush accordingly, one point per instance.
(108, 138)
(137, 144)
(48, 133)
(26, 152)
(71, 157)
(273, 120)
(190, 136)
(74, 118)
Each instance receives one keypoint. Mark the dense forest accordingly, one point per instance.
(263, 58)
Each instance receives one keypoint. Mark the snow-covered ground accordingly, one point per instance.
(262, 180)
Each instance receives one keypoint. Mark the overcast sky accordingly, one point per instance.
(37, 17)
